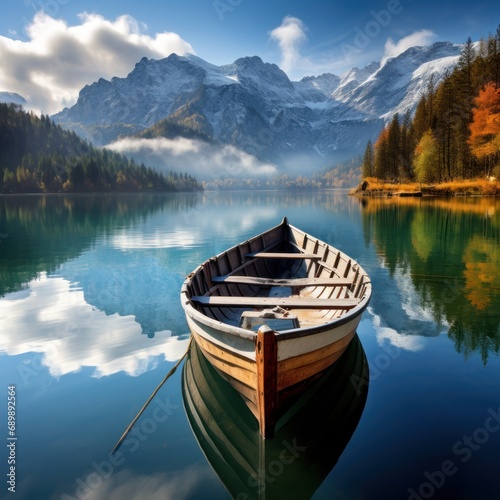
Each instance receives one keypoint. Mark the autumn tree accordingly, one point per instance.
(426, 159)
(484, 139)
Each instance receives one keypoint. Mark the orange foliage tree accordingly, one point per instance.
(484, 139)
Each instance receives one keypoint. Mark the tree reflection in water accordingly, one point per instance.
(450, 249)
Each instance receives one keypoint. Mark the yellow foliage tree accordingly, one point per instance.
(426, 159)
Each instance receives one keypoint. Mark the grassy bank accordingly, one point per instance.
(472, 187)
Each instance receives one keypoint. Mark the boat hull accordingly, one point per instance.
(304, 443)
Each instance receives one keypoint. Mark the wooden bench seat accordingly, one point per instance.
(284, 255)
(291, 302)
(255, 280)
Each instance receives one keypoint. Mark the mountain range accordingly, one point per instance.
(253, 106)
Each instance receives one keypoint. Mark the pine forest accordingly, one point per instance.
(38, 156)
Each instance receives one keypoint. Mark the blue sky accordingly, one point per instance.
(48, 58)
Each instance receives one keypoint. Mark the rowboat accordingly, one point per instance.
(272, 313)
(309, 438)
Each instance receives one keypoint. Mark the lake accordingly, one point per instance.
(91, 322)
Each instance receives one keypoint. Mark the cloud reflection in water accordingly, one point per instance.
(52, 318)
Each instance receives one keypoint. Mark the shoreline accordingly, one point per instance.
(376, 188)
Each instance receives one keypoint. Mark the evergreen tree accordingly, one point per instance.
(381, 157)
(421, 121)
(407, 147)
(368, 161)
(394, 148)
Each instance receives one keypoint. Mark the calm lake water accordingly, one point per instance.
(90, 323)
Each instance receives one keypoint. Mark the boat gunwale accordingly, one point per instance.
(199, 316)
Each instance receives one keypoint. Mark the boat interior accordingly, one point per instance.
(282, 278)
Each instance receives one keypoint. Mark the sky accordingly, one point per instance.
(50, 49)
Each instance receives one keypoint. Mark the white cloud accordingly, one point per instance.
(54, 320)
(58, 60)
(416, 39)
(204, 160)
(290, 35)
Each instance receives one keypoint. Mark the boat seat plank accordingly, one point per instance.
(255, 280)
(226, 301)
(282, 255)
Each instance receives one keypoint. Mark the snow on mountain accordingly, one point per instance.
(420, 80)
(12, 97)
(317, 88)
(253, 106)
(352, 79)
(398, 84)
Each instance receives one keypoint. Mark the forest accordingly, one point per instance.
(455, 130)
(38, 156)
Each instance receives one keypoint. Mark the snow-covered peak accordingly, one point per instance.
(322, 85)
(261, 73)
(352, 79)
(12, 98)
(411, 59)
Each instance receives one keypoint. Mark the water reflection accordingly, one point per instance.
(308, 441)
(53, 320)
(445, 258)
(39, 233)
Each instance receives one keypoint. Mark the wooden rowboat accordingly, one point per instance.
(271, 314)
